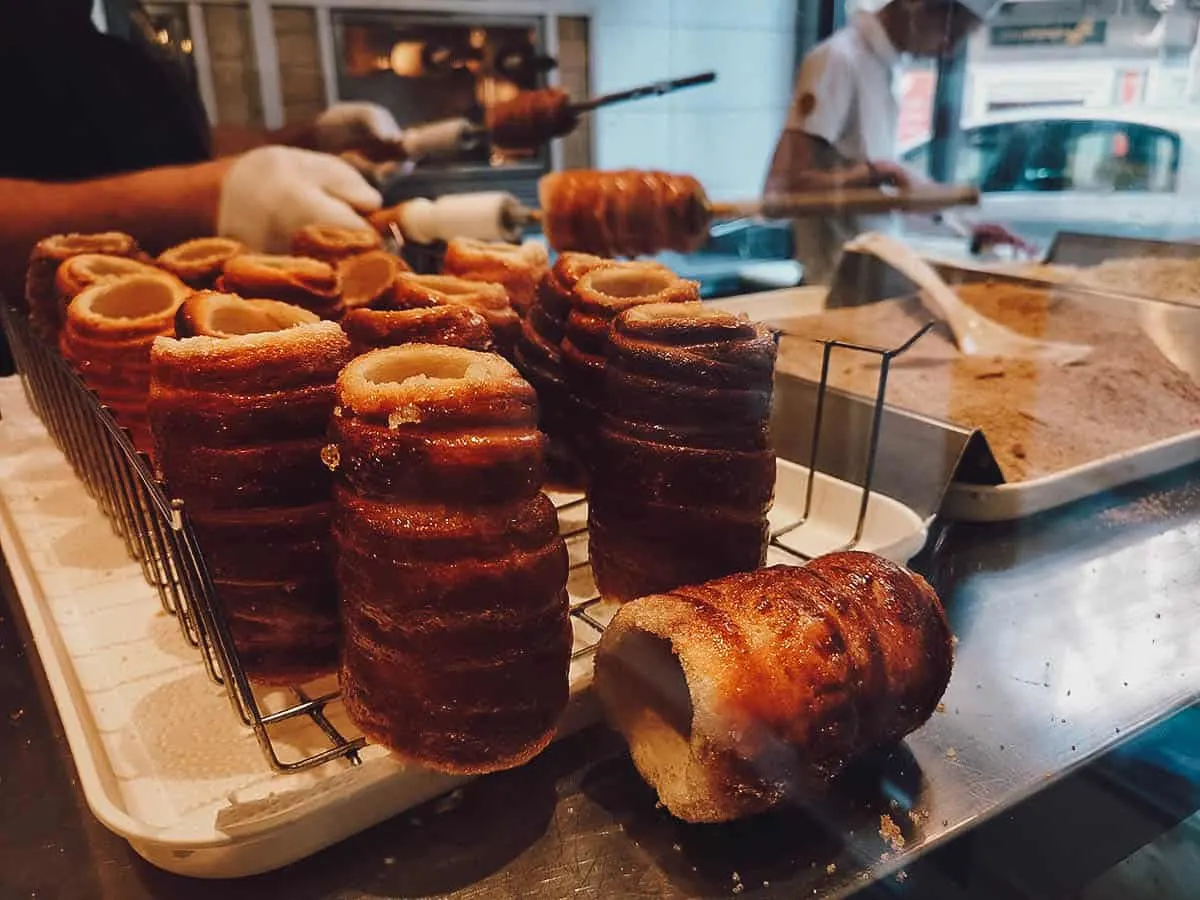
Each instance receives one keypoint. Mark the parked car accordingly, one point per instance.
(1123, 171)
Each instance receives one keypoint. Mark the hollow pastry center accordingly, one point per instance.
(89, 243)
(683, 312)
(296, 264)
(201, 250)
(367, 276)
(623, 283)
(418, 364)
(242, 318)
(646, 668)
(115, 265)
(134, 298)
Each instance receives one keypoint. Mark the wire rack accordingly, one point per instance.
(157, 534)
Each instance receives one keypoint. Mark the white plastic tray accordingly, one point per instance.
(162, 759)
(978, 503)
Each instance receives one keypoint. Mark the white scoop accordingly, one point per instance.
(975, 335)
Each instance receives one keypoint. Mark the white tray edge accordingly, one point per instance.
(1000, 503)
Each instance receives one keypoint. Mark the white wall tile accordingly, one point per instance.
(626, 56)
(727, 151)
(640, 140)
(753, 68)
(767, 14)
(632, 12)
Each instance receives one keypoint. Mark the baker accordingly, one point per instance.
(841, 128)
(107, 134)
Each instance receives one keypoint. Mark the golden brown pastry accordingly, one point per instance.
(538, 358)
(451, 326)
(599, 297)
(519, 267)
(41, 294)
(332, 244)
(450, 565)
(683, 474)
(531, 118)
(755, 688)
(86, 269)
(623, 213)
(212, 314)
(369, 279)
(489, 300)
(109, 329)
(298, 280)
(239, 424)
(198, 263)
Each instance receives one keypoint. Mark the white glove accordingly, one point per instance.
(345, 126)
(270, 193)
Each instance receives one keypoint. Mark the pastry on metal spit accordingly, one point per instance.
(623, 213)
(531, 118)
(450, 564)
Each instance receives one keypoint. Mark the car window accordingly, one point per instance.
(1098, 156)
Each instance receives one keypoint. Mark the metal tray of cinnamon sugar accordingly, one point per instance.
(988, 440)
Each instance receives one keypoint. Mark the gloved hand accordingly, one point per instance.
(355, 126)
(987, 235)
(270, 193)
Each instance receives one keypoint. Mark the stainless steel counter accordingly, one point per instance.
(1076, 629)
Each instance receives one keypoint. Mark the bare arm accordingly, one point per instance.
(159, 207)
(805, 163)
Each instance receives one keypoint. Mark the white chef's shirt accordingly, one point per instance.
(847, 94)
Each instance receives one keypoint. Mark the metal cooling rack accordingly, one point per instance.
(158, 535)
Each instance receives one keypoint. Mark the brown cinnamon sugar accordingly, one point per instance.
(1038, 418)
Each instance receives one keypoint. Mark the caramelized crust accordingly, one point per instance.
(531, 118)
(737, 694)
(598, 298)
(623, 213)
(489, 300)
(211, 314)
(86, 269)
(450, 566)
(369, 279)
(539, 358)
(239, 424)
(41, 294)
(308, 283)
(518, 267)
(683, 475)
(199, 263)
(110, 327)
(331, 244)
(452, 326)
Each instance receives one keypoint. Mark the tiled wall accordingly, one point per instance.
(234, 70)
(722, 133)
(575, 76)
(301, 81)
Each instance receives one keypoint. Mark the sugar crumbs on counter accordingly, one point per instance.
(830, 869)
(890, 832)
